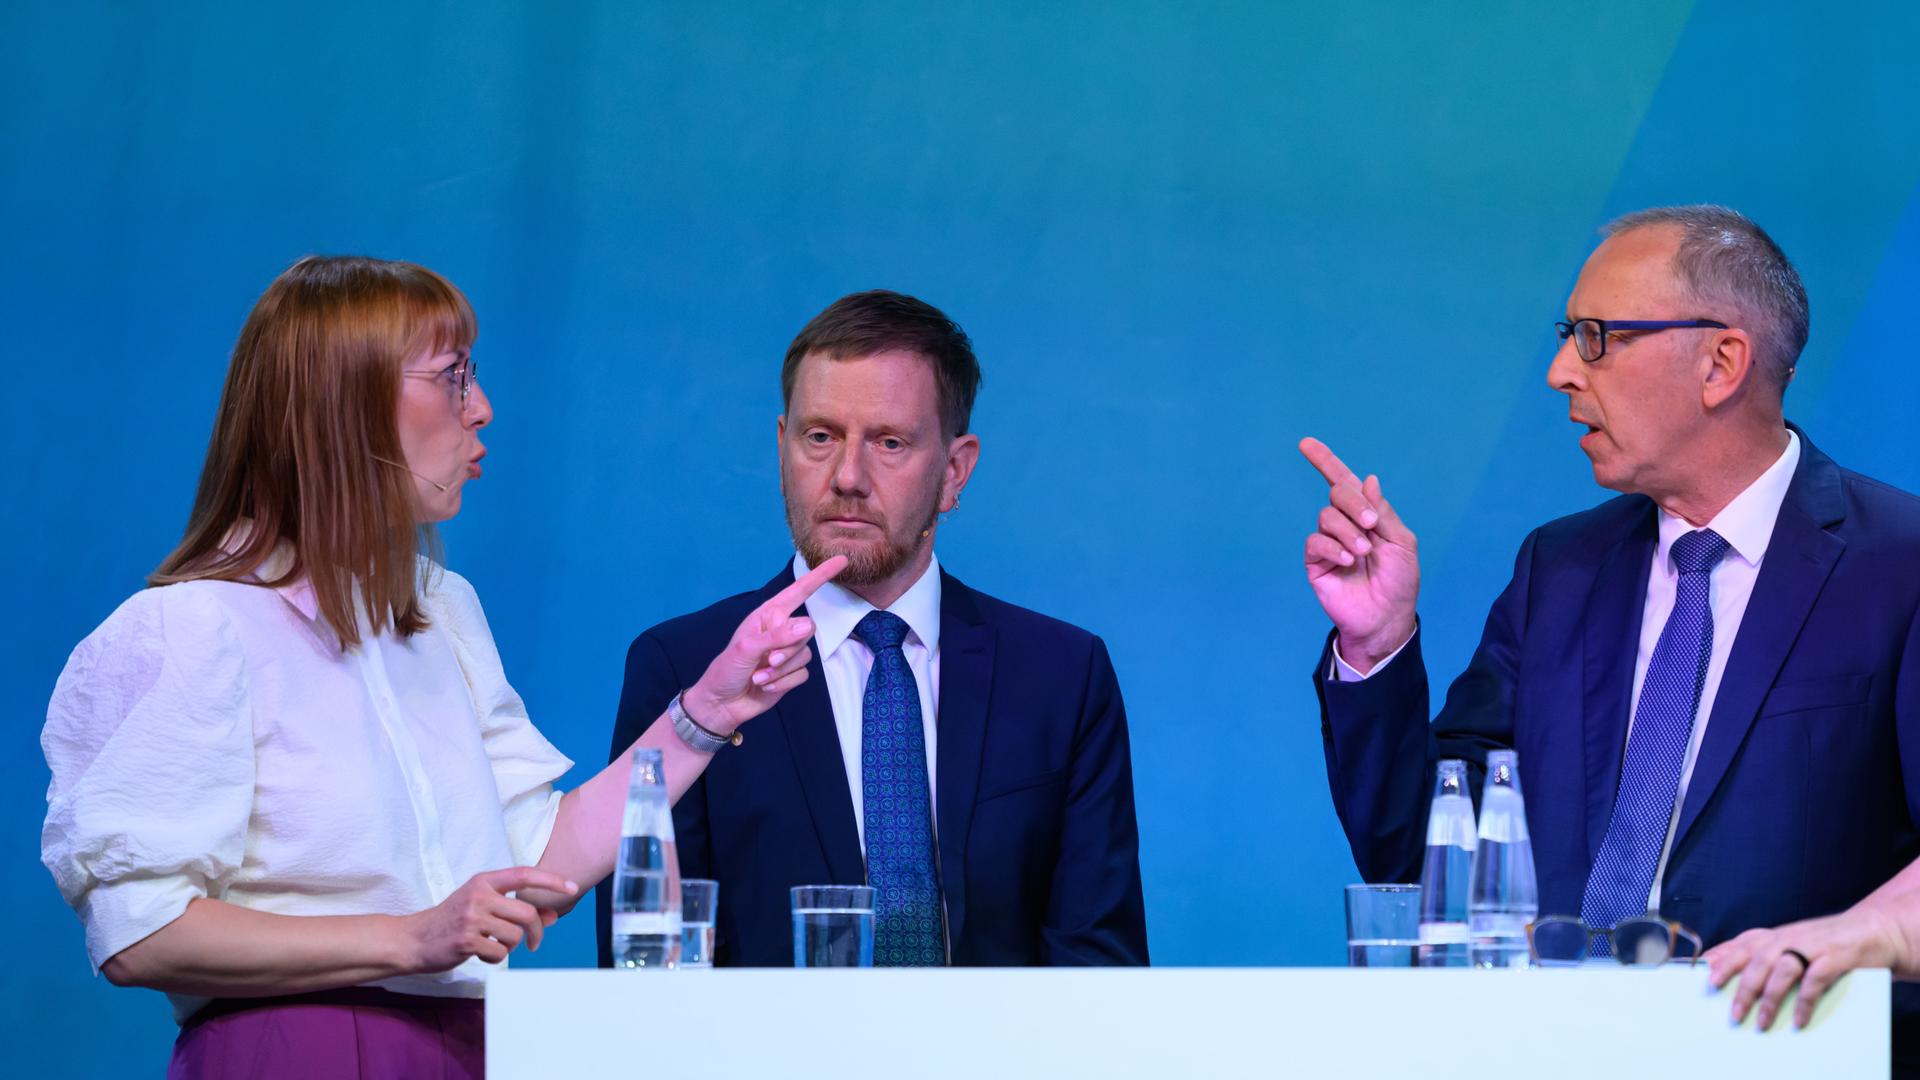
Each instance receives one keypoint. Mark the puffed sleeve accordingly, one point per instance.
(150, 740)
(525, 764)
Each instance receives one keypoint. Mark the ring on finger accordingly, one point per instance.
(1798, 955)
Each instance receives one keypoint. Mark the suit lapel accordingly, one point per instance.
(806, 715)
(1612, 633)
(1799, 559)
(966, 681)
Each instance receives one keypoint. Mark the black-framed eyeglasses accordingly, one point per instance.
(1590, 335)
(465, 371)
(1647, 941)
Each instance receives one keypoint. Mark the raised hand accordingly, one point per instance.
(1362, 562)
(480, 919)
(766, 658)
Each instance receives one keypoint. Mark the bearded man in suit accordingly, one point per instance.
(966, 757)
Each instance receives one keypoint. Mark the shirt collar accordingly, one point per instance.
(297, 592)
(835, 611)
(1746, 523)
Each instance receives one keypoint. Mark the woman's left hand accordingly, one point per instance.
(1769, 962)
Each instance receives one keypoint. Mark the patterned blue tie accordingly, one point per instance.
(1622, 873)
(898, 804)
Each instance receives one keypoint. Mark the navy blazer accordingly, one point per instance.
(1806, 791)
(1038, 847)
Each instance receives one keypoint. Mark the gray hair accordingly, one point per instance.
(1726, 260)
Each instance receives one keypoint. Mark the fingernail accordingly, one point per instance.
(760, 677)
(804, 625)
(1346, 559)
(1365, 545)
(776, 657)
(1369, 518)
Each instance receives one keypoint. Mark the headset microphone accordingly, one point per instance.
(443, 488)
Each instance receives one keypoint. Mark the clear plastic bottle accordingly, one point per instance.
(1448, 869)
(1504, 897)
(646, 877)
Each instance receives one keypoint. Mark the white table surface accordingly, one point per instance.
(1164, 1022)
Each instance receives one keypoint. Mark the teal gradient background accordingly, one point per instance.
(1182, 237)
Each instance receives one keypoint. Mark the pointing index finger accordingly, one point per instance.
(1327, 462)
(791, 597)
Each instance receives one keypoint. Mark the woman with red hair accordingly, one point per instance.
(292, 786)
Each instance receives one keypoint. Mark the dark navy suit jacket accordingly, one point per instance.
(1806, 791)
(1038, 847)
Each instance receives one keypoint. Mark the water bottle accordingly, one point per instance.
(1448, 869)
(646, 878)
(1504, 897)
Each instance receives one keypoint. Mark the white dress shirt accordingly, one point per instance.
(1746, 524)
(211, 739)
(847, 662)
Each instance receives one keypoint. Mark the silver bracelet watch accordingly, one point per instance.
(693, 734)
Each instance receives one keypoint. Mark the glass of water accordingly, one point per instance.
(698, 899)
(832, 926)
(1383, 925)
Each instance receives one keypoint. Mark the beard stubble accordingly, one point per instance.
(867, 564)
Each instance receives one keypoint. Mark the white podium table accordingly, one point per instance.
(1164, 1022)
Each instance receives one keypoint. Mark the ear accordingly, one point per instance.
(1729, 368)
(780, 444)
(963, 454)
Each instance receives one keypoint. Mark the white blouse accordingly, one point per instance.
(212, 739)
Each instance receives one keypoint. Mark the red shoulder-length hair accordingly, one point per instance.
(311, 402)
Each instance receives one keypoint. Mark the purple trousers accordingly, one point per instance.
(359, 1032)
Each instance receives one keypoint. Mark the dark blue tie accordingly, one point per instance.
(1623, 872)
(898, 804)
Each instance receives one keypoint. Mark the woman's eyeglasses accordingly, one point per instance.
(462, 373)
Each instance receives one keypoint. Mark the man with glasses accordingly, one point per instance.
(1713, 681)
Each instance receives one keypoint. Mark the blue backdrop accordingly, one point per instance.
(1182, 237)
